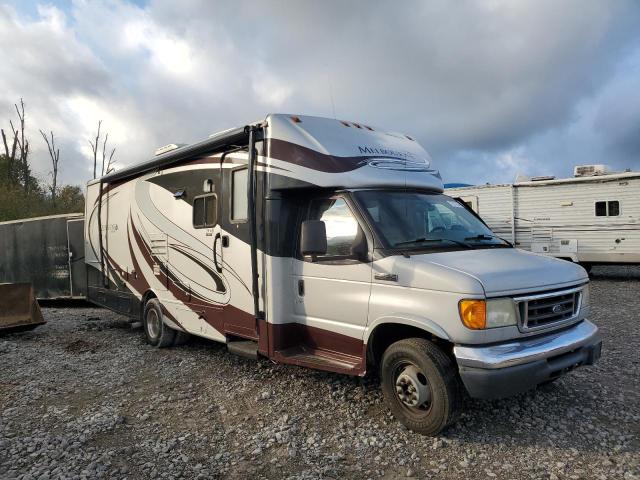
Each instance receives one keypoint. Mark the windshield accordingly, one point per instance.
(408, 220)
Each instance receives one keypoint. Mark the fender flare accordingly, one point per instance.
(410, 320)
(166, 318)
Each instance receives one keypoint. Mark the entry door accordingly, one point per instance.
(233, 247)
(332, 292)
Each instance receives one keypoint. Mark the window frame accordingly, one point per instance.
(193, 211)
(230, 197)
(607, 209)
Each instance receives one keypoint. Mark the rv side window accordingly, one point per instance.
(239, 195)
(205, 211)
(608, 209)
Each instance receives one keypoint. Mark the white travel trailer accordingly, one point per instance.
(329, 244)
(593, 218)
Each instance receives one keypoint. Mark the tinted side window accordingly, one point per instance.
(205, 211)
(239, 195)
(341, 226)
(608, 209)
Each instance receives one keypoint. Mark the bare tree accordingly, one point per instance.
(11, 157)
(109, 166)
(94, 148)
(19, 145)
(107, 162)
(23, 145)
(55, 157)
(111, 162)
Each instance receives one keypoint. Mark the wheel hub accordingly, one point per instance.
(412, 387)
(153, 323)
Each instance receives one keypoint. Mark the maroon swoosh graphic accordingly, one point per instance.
(309, 158)
(215, 315)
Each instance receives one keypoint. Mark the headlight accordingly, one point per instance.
(501, 312)
(481, 314)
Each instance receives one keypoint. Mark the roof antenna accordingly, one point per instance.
(333, 106)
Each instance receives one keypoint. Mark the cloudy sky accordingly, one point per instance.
(491, 88)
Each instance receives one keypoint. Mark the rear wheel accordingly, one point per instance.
(421, 386)
(157, 332)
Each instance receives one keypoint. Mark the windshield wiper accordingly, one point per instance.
(432, 240)
(482, 236)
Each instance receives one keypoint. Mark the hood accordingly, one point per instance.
(508, 270)
(491, 272)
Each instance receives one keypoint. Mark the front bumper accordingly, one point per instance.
(506, 369)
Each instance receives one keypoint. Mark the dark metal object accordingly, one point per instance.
(19, 309)
(47, 252)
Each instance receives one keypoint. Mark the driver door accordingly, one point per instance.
(332, 291)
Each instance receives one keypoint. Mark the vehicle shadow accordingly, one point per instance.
(618, 272)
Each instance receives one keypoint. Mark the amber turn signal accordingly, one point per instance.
(473, 313)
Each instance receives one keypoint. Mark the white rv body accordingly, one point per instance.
(565, 218)
(283, 239)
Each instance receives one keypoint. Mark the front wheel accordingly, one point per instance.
(420, 385)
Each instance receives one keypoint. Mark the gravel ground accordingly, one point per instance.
(84, 396)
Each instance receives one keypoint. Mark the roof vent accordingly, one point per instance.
(591, 170)
(542, 178)
(168, 148)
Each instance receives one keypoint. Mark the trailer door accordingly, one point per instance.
(77, 269)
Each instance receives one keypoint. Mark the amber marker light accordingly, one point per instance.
(473, 313)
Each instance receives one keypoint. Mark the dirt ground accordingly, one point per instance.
(85, 397)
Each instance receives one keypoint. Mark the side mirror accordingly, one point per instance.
(313, 240)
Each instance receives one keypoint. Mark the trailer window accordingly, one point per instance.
(205, 211)
(608, 209)
(239, 195)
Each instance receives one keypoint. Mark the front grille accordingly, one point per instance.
(542, 310)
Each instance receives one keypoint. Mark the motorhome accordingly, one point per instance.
(591, 219)
(329, 244)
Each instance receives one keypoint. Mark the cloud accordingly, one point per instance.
(490, 88)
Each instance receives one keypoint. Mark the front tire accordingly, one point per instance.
(158, 334)
(421, 385)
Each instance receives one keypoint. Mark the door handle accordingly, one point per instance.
(301, 288)
(387, 277)
(215, 252)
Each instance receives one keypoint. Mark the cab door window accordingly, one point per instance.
(341, 226)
